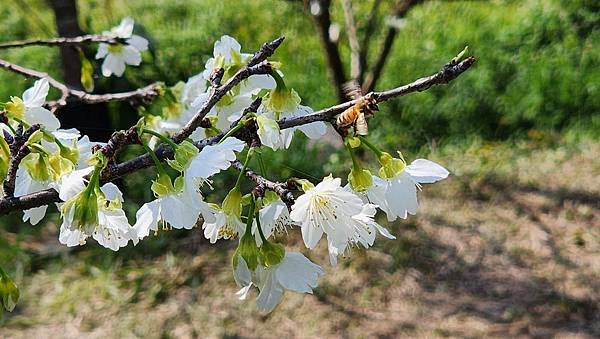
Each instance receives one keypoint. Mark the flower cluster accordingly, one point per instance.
(90, 208)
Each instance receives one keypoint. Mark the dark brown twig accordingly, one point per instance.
(18, 151)
(280, 188)
(144, 93)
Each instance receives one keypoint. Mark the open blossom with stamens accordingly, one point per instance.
(295, 273)
(223, 226)
(326, 208)
(396, 192)
(365, 231)
(116, 56)
(29, 109)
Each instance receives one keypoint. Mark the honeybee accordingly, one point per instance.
(358, 114)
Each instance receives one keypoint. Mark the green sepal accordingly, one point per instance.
(360, 179)
(271, 254)
(248, 251)
(232, 204)
(391, 166)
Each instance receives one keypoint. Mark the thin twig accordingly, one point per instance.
(18, 151)
(144, 93)
(280, 188)
(79, 40)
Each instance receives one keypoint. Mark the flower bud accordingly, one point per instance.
(232, 204)
(281, 99)
(360, 179)
(271, 254)
(248, 251)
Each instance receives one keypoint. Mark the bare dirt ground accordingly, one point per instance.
(508, 247)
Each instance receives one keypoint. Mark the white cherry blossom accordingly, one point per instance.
(116, 56)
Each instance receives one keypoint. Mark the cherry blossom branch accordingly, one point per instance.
(144, 93)
(18, 151)
(256, 65)
(62, 41)
(449, 72)
(282, 189)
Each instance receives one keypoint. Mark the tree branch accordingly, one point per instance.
(18, 151)
(368, 32)
(400, 11)
(282, 189)
(448, 72)
(322, 20)
(79, 40)
(256, 65)
(144, 93)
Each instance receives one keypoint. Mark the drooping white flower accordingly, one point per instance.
(274, 217)
(295, 273)
(227, 55)
(116, 56)
(326, 208)
(223, 226)
(365, 232)
(89, 213)
(177, 209)
(396, 194)
(30, 110)
(25, 183)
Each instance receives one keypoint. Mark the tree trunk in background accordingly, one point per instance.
(89, 119)
(65, 12)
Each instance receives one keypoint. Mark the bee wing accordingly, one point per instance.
(361, 124)
(352, 89)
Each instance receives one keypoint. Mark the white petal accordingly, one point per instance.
(178, 213)
(36, 95)
(34, 215)
(270, 294)
(42, 116)
(113, 64)
(131, 56)
(71, 237)
(102, 51)
(146, 219)
(138, 42)
(426, 171)
(72, 183)
(214, 158)
(297, 273)
(225, 47)
(112, 192)
(125, 28)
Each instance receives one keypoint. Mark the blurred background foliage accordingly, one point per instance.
(537, 80)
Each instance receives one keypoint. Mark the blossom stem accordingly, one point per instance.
(250, 217)
(162, 138)
(243, 170)
(374, 148)
(352, 156)
(260, 231)
(232, 131)
(159, 166)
